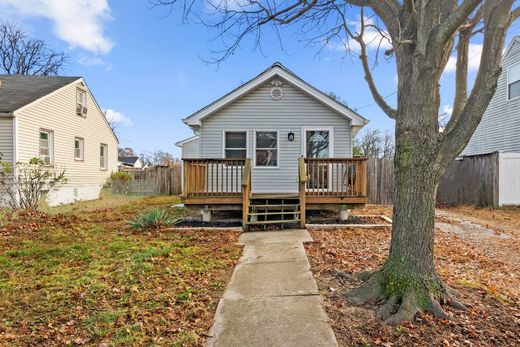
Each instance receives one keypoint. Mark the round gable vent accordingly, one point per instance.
(276, 90)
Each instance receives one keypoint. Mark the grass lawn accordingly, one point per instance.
(77, 275)
(485, 270)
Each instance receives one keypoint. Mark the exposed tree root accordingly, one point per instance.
(402, 302)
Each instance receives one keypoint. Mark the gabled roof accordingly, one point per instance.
(277, 69)
(17, 91)
(515, 39)
(189, 139)
(128, 160)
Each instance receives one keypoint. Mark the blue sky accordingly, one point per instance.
(145, 68)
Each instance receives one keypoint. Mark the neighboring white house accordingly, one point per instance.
(499, 130)
(58, 120)
(130, 162)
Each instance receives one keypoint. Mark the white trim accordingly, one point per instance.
(507, 82)
(237, 131)
(183, 142)
(511, 44)
(275, 70)
(50, 144)
(311, 128)
(80, 79)
(277, 149)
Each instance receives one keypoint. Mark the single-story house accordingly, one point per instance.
(274, 147)
(499, 130)
(57, 119)
(130, 162)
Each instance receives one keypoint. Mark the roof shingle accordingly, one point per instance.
(17, 91)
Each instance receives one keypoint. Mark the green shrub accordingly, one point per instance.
(120, 176)
(119, 181)
(152, 219)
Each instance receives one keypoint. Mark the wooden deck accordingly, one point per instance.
(321, 182)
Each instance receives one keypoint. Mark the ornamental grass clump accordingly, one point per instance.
(152, 219)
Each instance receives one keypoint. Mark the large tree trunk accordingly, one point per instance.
(408, 282)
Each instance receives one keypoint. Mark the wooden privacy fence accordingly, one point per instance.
(472, 180)
(157, 180)
(380, 181)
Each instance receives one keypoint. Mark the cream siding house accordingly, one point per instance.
(58, 120)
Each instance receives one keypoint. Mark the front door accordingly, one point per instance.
(317, 144)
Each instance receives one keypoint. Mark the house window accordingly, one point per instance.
(103, 157)
(266, 148)
(235, 144)
(317, 143)
(46, 146)
(78, 148)
(513, 81)
(81, 101)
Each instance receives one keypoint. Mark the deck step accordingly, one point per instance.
(279, 206)
(275, 197)
(272, 213)
(289, 221)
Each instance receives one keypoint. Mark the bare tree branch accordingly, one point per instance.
(24, 56)
(497, 18)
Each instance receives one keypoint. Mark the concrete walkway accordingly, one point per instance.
(272, 298)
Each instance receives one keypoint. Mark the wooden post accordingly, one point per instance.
(246, 192)
(302, 179)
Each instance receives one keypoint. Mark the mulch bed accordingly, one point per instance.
(487, 285)
(353, 219)
(198, 223)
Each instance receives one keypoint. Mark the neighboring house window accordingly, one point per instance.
(103, 157)
(81, 101)
(78, 148)
(513, 81)
(235, 144)
(266, 148)
(46, 146)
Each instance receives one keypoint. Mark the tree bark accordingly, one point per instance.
(408, 283)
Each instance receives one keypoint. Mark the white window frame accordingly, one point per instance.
(507, 87)
(277, 148)
(310, 128)
(103, 167)
(50, 140)
(234, 131)
(81, 148)
(81, 91)
(331, 151)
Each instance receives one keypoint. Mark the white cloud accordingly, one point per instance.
(77, 22)
(372, 38)
(94, 61)
(117, 117)
(475, 52)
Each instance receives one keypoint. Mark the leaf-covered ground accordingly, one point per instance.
(484, 274)
(84, 278)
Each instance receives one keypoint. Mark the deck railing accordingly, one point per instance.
(213, 177)
(246, 191)
(336, 177)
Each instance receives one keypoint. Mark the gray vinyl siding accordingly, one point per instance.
(499, 129)
(6, 139)
(191, 149)
(257, 111)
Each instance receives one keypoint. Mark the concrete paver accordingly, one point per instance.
(272, 298)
